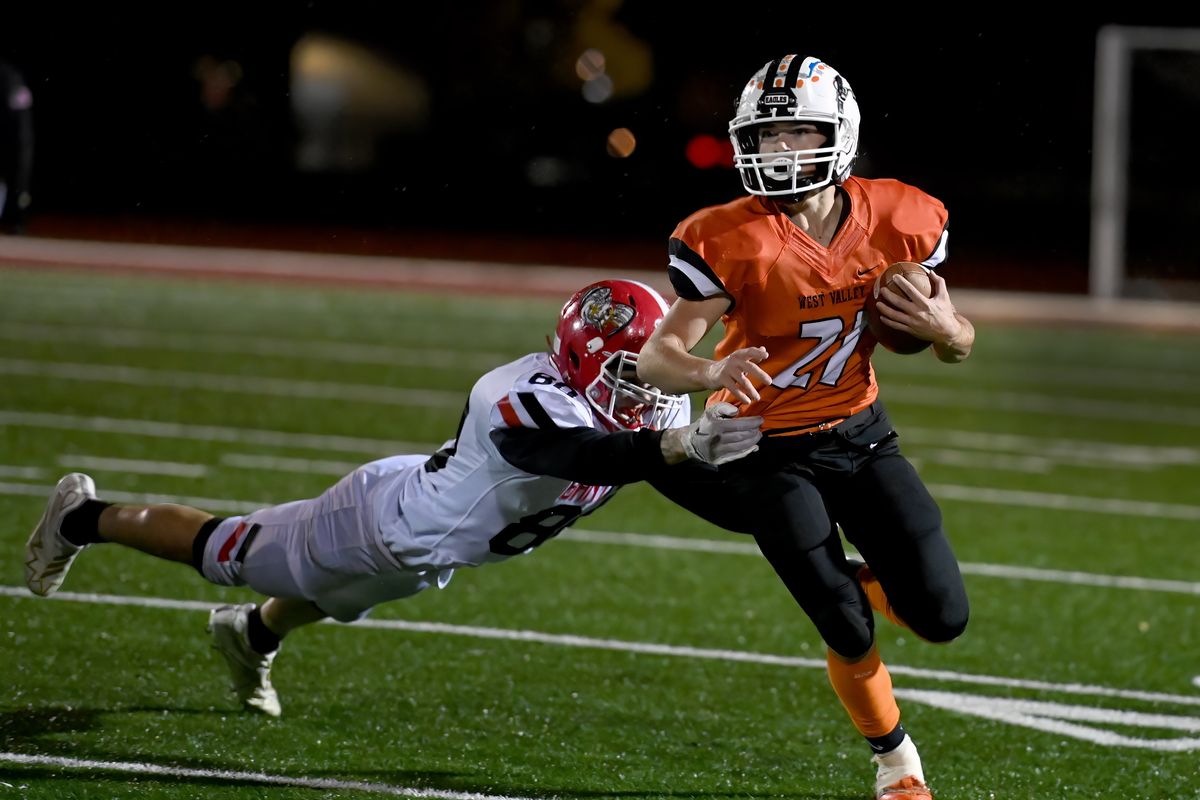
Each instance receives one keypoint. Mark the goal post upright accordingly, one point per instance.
(1115, 45)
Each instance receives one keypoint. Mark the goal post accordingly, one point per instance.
(1115, 47)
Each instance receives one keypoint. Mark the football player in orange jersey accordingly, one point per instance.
(787, 269)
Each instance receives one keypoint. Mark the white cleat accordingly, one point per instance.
(250, 670)
(900, 776)
(48, 555)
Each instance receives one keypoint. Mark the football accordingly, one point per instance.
(897, 341)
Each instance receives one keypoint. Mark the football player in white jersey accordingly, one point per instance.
(543, 441)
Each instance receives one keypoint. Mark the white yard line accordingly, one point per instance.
(943, 491)
(1157, 414)
(734, 546)
(970, 459)
(376, 448)
(743, 546)
(307, 466)
(1017, 402)
(1176, 379)
(24, 473)
(133, 466)
(236, 776)
(1064, 502)
(416, 355)
(643, 648)
(255, 345)
(237, 384)
(1068, 451)
(212, 504)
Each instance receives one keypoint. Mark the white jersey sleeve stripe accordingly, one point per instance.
(939, 252)
(697, 278)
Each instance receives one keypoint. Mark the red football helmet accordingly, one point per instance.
(600, 331)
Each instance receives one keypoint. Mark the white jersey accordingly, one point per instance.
(474, 507)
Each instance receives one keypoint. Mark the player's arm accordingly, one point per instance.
(584, 455)
(956, 348)
(933, 318)
(666, 360)
(612, 458)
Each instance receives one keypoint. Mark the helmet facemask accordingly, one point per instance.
(625, 401)
(781, 174)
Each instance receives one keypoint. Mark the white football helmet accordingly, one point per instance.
(795, 89)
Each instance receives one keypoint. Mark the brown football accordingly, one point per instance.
(895, 340)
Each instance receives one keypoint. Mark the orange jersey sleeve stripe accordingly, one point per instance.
(508, 413)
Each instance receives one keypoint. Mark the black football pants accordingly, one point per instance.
(793, 494)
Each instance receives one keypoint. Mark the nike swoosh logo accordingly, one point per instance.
(864, 272)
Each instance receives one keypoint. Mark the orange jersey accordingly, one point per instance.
(801, 301)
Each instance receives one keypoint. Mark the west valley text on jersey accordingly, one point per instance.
(835, 296)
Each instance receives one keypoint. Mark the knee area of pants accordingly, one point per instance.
(847, 637)
(945, 628)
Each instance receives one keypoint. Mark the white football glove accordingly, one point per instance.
(720, 435)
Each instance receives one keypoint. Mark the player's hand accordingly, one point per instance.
(739, 372)
(720, 435)
(930, 318)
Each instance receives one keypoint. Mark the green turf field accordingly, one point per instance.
(644, 654)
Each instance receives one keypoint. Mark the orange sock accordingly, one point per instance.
(865, 689)
(876, 596)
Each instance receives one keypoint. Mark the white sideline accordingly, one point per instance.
(643, 648)
(233, 776)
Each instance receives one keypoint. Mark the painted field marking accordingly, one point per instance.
(1068, 451)
(340, 352)
(1017, 402)
(212, 433)
(133, 466)
(1001, 709)
(234, 384)
(735, 545)
(1164, 379)
(236, 776)
(1064, 719)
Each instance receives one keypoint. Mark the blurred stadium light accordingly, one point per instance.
(345, 97)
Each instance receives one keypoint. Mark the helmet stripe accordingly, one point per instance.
(793, 71)
(769, 75)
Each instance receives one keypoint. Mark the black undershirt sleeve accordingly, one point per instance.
(584, 455)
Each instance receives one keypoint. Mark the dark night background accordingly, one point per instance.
(486, 148)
